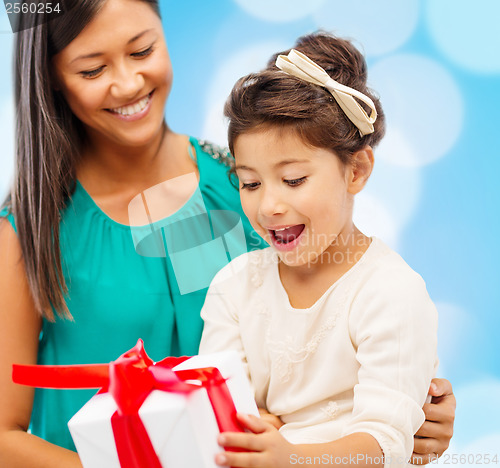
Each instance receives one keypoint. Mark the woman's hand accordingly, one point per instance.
(263, 447)
(270, 418)
(434, 436)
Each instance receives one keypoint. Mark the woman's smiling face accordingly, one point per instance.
(116, 74)
(296, 197)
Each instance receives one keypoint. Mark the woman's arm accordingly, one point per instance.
(19, 332)
(434, 436)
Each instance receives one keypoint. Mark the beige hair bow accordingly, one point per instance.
(301, 66)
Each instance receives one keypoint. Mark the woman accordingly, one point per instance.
(91, 87)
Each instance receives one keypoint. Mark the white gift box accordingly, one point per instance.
(182, 428)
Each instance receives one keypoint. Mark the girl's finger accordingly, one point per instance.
(254, 424)
(237, 459)
(240, 440)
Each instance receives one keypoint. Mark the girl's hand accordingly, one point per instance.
(433, 438)
(270, 418)
(264, 446)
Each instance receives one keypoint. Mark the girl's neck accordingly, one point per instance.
(307, 283)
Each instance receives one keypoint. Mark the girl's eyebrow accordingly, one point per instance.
(244, 168)
(290, 161)
(277, 165)
(98, 54)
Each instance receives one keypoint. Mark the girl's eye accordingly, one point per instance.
(143, 53)
(250, 186)
(92, 73)
(295, 182)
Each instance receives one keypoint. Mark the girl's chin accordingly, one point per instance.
(291, 259)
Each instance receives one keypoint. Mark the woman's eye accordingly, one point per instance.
(143, 53)
(295, 182)
(91, 73)
(250, 186)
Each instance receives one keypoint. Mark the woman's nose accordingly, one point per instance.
(127, 82)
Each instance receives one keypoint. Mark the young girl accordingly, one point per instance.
(337, 332)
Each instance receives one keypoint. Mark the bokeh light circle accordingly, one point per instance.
(467, 32)
(245, 61)
(281, 11)
(423, 107)
(380, 26)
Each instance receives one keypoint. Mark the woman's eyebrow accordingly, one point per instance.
(98, 54)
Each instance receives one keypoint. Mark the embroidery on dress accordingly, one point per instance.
(287, 355)
(217, 152)
(331, 409)
(256, 269)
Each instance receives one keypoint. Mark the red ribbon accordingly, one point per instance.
(130, 379)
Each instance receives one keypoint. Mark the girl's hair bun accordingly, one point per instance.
(273, 98)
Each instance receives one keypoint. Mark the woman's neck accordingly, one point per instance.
(107, 168)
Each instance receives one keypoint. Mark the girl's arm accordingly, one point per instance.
(221, 324)
(19, 333)
(265, 447)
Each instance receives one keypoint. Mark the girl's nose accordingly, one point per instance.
(127, 83)
(271, 203)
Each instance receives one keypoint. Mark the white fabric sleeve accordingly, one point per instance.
(393, 326)
(221, 330)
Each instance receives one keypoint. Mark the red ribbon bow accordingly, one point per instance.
(130, 379)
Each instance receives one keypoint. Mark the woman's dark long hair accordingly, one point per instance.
(49, 140)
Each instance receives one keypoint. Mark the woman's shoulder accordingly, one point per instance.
(6, 213)
(213, 152)
(214, 165)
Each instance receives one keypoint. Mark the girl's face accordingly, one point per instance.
(116, 74)
(296, 197)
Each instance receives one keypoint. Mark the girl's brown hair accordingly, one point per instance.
(274, 98)
(49, 140)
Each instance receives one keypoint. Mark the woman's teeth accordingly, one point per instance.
(133, 109)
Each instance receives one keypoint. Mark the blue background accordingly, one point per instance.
(434, 193)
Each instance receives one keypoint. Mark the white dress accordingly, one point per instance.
(359, 360)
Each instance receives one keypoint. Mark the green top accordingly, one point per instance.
(144, 282)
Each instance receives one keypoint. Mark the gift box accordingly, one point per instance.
(151, 415)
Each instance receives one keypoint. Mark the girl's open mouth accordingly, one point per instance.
(286, 238)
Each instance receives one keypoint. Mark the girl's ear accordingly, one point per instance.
(361, 168)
